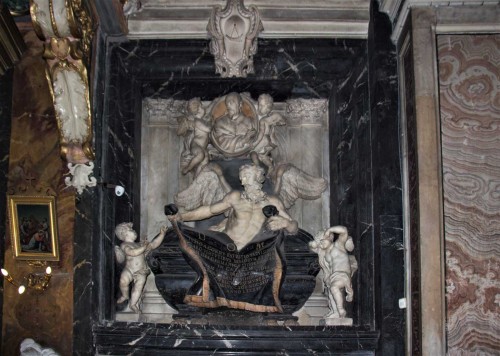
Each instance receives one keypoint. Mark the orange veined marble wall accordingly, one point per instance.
(35, 154)
(469, 83)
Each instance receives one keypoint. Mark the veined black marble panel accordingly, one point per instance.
(389, 255)
(162, 339)
(285, 69)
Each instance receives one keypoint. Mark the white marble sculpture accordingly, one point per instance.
(234, 132)
(29, 347)
(245, 218)
(266, 139)
(338, 268)
(81, 176)
(196, 130)
(239, 128)
(136, 270)
(234, 32)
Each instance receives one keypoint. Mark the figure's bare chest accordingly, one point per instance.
(251, 211)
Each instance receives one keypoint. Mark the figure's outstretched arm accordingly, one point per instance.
(156, 242)
(207, 211)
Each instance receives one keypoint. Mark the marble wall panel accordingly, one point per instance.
(351, 195)
(5, 127)
(389, 252)
(35, 151)
(469, 82)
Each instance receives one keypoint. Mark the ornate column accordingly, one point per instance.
(66, 28)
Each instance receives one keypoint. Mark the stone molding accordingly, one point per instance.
(286, 19)
(399, 10)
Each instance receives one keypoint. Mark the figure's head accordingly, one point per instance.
(233, 103)
(251, 174)
(325, 243)
(125, 232)
(195, 107)
(265, 104)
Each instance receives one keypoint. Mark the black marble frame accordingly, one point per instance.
(359, 78)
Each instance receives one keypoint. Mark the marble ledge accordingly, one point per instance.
(116, 335)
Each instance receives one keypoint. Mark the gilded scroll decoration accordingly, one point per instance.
(66, 28)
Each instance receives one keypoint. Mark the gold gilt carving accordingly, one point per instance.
(67, 29)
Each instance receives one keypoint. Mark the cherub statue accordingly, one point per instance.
(338, 267)
(134, 255)
(266, 138)
(196, 132)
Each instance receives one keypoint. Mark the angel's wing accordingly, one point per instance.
(207, 188)
(353, 263)
(120, 255)
(291, 183)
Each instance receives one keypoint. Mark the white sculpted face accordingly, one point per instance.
(265, 104)
(251, 176)
(125, 232)
(233, 105)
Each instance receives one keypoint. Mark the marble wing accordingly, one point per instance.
(207, 188)
(354, 264)
(291, 183)
(120, 255)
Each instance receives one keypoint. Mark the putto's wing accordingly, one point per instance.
(120, 255)
(205, 189)
(291, 183)
(353, 263)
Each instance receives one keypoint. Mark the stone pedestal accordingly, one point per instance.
(154, 309)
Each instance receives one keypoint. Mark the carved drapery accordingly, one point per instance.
(66, 28)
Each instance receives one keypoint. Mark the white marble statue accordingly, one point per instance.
(196, 131)
(30, 347)
(338, 268)
(245, 217)
(266, 139)
(134, 255)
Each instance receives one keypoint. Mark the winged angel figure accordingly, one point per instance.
(210, 195)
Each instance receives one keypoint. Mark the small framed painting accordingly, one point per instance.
(33, 227)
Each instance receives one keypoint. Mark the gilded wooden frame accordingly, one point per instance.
(33, 227)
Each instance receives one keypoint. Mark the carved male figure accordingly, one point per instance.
(245, 218)
(234, 131)
(338, 267)
(134, 255)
